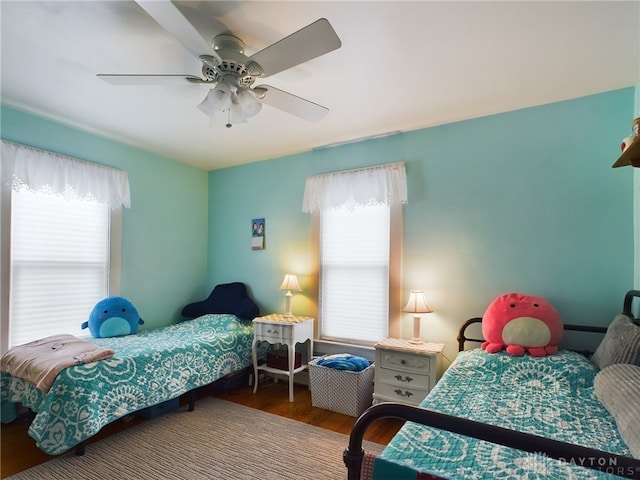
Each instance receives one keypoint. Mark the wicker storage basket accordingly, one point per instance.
(341, 391)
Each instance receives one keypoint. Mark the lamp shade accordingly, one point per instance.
(290, 282)
(250, 106)
(417, 303)
(216, 118)
(221, 96)
(236, 115)
(218, 99)
(206, 106)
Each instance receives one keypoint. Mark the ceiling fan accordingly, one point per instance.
(233, 97)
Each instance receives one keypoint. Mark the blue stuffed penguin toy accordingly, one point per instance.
(113, 317)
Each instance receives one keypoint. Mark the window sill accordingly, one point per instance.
(326, 347)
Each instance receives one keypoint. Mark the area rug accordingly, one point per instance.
(219, 440)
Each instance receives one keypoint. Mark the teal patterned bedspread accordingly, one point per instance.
(550, 396)
(149, 367)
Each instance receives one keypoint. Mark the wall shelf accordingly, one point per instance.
(631, 156)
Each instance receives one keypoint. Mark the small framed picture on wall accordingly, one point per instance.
(257, 234)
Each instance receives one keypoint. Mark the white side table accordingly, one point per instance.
(286, 330)
(405, 372)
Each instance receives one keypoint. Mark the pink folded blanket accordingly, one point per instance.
(40, 361)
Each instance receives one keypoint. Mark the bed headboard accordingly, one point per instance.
(462, 333)
(627, 309)
(225, 298)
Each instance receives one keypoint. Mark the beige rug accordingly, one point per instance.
(219, 440)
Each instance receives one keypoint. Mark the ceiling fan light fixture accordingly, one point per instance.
(219, 97)
(206, 106)
(236, 115)
(250, 106)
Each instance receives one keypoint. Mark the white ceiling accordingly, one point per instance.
(402, 66)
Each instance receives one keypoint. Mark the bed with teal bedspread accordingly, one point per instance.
(496, 416)
(148, 368)
(551, 396)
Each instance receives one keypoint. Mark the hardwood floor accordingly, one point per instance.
(19, 452)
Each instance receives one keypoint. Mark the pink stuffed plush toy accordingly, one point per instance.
(521, 323)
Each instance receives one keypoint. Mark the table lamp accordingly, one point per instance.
(289, 283)
(416, 304)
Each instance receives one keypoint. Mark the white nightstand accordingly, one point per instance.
(286, 330)
(405, 372)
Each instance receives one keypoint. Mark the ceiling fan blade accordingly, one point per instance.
(171, 19)
(292, 104)
(307, 43)
(117, 79)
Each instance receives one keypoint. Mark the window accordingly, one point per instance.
(59, 264)
(59, 241)
(358, 217)
(354, 274)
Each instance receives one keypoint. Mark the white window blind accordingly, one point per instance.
(59, 264)
(354, 274)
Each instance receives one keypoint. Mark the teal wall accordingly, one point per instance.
(522, 201)
(164, 233)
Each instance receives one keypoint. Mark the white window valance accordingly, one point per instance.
(378, 185)
(41, 171)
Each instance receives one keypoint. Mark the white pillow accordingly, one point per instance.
(621, 344)
(618, 388)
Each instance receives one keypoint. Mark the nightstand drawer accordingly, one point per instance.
(403, 379)
(273, 333)
(394, 393)
(404, 361)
